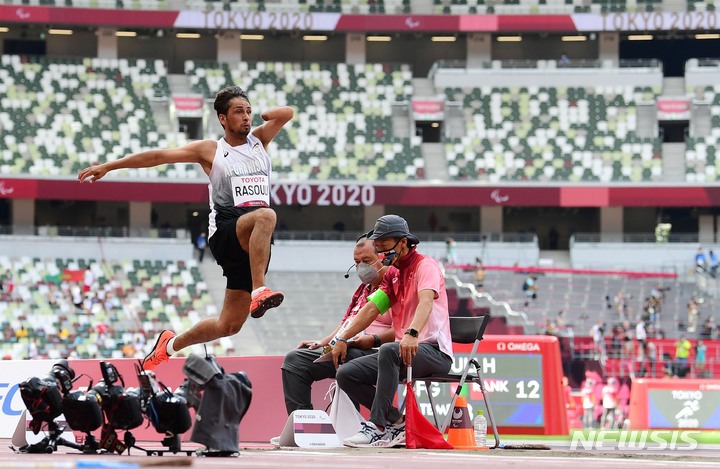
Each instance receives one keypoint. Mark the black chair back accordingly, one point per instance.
(466, 330)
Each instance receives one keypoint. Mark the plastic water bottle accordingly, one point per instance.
(480, 426)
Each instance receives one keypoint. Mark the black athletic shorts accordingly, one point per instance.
(233, 259)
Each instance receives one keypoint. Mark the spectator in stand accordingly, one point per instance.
(479, 274)
(627, 336)
(21, 333)
(530, 288)
(589, 401)
(709, 328)
(88, 280)
(657, 297)
(597, 332)
(451, 251)
(621, 304)
(651, 356)
(200, 245)
(682, 354)
(550, 327)
(692, 312)
(700, 260)
(129, 350)
(713, 263)
(700, 359)
(641, 334)
(642, 362)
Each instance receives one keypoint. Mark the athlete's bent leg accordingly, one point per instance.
(254, 231)
(235, 311)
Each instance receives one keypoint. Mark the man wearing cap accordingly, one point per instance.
(416, 293)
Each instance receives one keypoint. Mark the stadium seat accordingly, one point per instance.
(114, 313)
(552, 134)
(79, 112)
(343, 125)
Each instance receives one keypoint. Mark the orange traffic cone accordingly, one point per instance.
(460, 432)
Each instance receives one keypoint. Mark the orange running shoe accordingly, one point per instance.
(159, 353)
(265, 300)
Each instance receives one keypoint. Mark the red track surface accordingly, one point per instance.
(267, 457)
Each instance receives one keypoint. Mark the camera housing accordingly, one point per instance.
(43, 396)
(82, 411)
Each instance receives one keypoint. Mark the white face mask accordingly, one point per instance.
(367, 273)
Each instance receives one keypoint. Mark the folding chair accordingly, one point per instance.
(464, 330)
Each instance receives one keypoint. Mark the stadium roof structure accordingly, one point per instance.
(339, 22)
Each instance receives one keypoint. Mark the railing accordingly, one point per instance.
(425, 236)
(497, 307)
(101, 231)
(619, 361)
(124, 232)
(640, 63)
(637, 238)
(531, 63)
(709, 62)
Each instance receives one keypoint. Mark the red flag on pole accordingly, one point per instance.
(419, 432)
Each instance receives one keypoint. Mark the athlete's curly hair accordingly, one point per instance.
(225, 95)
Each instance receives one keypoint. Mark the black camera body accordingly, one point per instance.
(43, 400)
(108, 405)
(82, 410)
(167, 411)
(43, 395)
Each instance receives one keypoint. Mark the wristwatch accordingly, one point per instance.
(377, 342)
(412, 332)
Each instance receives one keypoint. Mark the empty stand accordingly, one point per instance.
(343, 126)
(309, 6)
(126, 305)
(61, 115)
(701, 152)
(552, 134)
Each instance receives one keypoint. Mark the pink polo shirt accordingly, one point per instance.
(416, 272)
(381, 323)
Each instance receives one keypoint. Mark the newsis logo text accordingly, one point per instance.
(650, 440)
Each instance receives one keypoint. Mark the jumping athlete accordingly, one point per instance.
(241, 221)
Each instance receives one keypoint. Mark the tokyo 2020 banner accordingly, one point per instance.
(285, 20)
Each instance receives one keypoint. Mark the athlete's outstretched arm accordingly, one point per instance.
(201, 151)
(274, 119)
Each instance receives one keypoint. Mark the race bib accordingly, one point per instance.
(251, 191)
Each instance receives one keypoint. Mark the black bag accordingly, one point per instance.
(225, 400)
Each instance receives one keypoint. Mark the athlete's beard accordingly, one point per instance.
(240, 133)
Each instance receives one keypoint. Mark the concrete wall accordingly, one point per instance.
(95, 248)
(287, 256)
(336, 256)
(498, 77)
(669, 257)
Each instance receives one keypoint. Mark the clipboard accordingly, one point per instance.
(325, 357)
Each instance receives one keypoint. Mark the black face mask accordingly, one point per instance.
(387, 257)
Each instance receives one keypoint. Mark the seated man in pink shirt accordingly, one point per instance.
(299, 369)
(415, 291)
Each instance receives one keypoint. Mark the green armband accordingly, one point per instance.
(380, 299)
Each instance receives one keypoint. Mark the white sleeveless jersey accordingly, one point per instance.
(239, 180)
